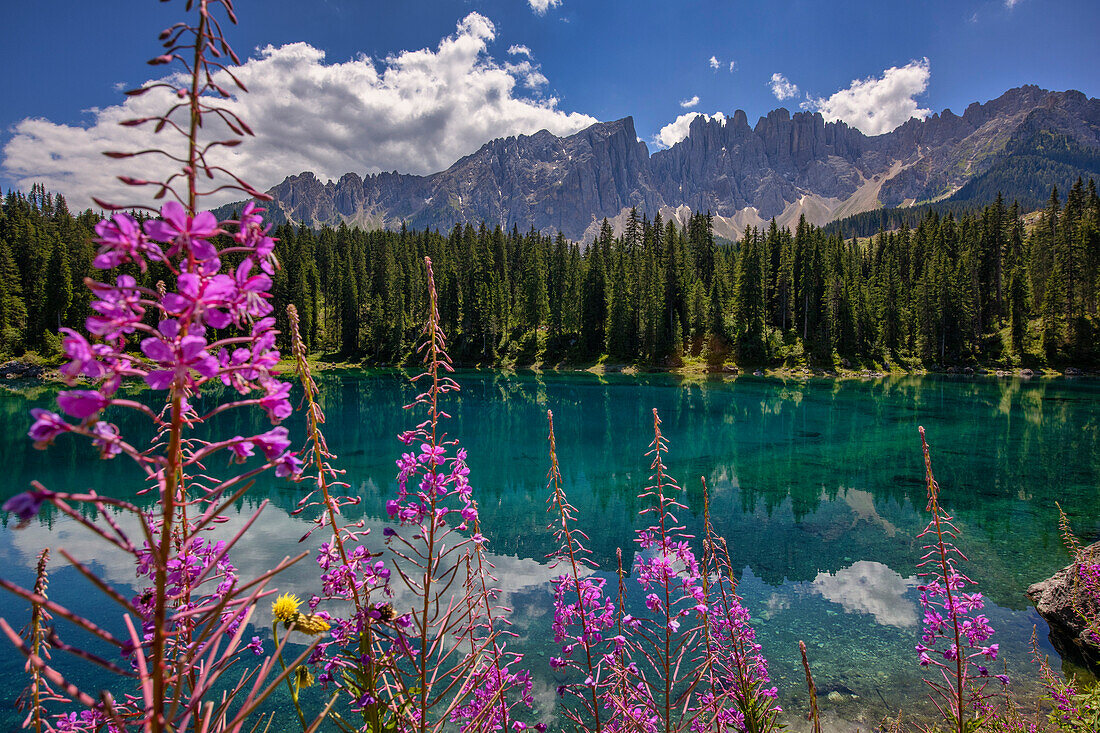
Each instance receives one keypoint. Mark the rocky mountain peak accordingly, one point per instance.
(785, 166)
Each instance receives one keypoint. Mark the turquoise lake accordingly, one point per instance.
(817, 486)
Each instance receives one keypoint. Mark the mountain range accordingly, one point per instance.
(785, 166)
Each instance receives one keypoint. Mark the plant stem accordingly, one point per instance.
(289, 685)
(934, 503)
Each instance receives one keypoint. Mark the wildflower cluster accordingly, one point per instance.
(183, 341)
(954, 636)
(211, 327)
(483, 691)
(207, 321)
(582, 612)
(664, 662)
(739, 694)
(344, 657)
(689, 660)
(449, 657)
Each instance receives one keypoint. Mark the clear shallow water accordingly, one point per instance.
(817, 486)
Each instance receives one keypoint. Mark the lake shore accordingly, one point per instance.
(37, 370)
(696, 368)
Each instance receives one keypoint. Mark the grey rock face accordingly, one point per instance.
(563, 184)
(1059, 602)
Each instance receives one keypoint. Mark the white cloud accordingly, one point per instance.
(686, 103)
(878, 104)
(872, 588)
(534, 80)
(782, 88)
(1011, 3)
(714, 62)
(678, 129)
(415, 112)
(518, 49)
(733, 65)
(541, 6)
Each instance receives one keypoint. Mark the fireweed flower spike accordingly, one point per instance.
(448, 637)
(666, 643)
(346, 658)
(582, 613)
(740, 696)
(491, 689)
(199, 326)
(954, 639)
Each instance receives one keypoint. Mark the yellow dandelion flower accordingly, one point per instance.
(311, 624)
(285, 608)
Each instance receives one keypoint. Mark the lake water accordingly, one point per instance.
(817, 486)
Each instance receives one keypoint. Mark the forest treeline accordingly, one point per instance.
(973, 288)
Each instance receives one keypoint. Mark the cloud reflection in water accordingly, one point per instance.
(872, 588)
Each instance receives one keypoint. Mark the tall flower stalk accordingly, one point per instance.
(447, 638)
(740, 696)
(203, 324)
(582, 613)
(38, 692)
(350, 572)
(953, 640)
(671, 661)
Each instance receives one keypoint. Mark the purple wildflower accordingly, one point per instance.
(187, 234)
(47, 426)
(25, 505)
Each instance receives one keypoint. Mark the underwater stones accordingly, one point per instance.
(1058, 601)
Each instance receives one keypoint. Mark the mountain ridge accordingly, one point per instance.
(785, 166)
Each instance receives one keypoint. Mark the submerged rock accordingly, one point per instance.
(1060, 602)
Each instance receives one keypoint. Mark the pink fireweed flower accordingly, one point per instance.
(25, 505)
(202, 298)
(252, 293)
(186, 234)
(177, 357)
(47, 426)
(107, 439)
(288, 464)
(120, 240)
(81, 403)
(276, 400)
(273, 442)
(252, 234)
(119, 308)
(241, 450)
(431, 454)
(84, 360)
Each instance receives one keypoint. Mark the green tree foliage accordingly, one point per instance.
(954, 288)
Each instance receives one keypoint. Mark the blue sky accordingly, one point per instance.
(343, 88)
